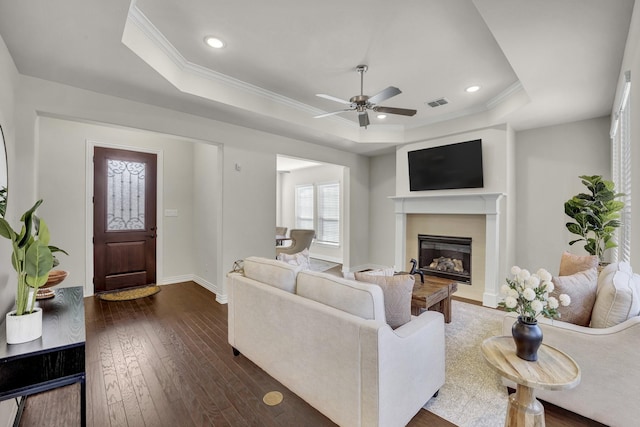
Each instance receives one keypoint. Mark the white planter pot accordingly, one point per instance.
(27, 327)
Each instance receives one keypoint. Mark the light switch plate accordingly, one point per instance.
(171, 212)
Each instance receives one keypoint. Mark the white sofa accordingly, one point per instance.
(326, 339)
(609, 360)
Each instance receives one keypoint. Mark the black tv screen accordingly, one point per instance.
(446, 167)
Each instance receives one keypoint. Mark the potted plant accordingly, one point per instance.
(596, 215)
(32, 259)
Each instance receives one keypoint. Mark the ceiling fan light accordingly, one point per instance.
(214, 42)
(472, 89)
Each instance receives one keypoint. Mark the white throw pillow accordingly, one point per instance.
(301, 259)
(618, 296)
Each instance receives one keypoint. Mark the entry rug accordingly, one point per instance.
(130, 294)
(473, 394)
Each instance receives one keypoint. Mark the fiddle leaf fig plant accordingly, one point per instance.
(596, 215)
(32, 256)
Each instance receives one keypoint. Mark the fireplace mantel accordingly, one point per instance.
(471, 203)
(487, 204)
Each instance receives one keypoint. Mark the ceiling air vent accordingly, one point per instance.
(438, 102)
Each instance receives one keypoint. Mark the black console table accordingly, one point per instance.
(54, 360)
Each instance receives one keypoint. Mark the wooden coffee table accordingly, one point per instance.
(434, 294)
(554, 370)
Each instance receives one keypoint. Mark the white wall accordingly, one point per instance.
(322, 174)
(382, 216)
(8, 82)
(62, 153)
(243, 191)
(207, 214)
(548, 163)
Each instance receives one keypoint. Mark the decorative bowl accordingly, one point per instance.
(55, 278)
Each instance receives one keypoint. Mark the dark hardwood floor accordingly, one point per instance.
(165, 361)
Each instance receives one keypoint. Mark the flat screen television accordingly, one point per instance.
(446, 167)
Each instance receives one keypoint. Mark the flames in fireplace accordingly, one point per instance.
(445, 256)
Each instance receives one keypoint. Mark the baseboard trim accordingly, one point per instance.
(177, 279)
(220, 297)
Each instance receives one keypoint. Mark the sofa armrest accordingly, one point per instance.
(411, 366)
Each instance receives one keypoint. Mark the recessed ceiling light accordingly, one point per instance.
(382, 116)
(473, 88)
(214, 42)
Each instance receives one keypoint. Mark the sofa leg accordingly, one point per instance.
(436, 393)
(236, 352)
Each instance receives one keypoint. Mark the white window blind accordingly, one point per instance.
(304, 206)
(329, 213)
(621, 169)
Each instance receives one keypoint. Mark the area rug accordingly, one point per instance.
(473, 394)
(130, 294)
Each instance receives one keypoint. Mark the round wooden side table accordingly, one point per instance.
(554, 370)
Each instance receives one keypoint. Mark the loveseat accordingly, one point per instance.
(607, 355)
(326, 339)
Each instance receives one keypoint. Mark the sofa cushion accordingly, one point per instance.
(360, 299)
(581, 288)
(571, 264)
(297, 259)
(272, 272)
(397, 292)
(618, 296)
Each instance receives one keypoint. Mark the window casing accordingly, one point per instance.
(621, 170)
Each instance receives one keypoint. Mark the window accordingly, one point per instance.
(621, 169)
(304, 206)
(328, 213)
(318, 207)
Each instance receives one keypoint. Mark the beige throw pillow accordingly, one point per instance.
(397, 292)
(571, 264)
(581, 287)
(618, 297)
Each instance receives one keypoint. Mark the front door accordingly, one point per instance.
(124, 219)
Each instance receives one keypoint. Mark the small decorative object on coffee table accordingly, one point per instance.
(528, 295)
(554, 370)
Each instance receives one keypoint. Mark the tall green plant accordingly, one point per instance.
(31, 258)
(596, 215)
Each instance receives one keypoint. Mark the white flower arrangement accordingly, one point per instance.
(528, 295)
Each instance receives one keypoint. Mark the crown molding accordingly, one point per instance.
(140, 20)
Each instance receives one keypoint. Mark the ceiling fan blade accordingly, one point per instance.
(319, 116)
(333, 98)
(363, 117)
(392, 110)
(385, 94)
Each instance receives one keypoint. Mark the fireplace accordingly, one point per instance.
(445, 256)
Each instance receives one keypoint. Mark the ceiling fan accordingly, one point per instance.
(361, 103)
